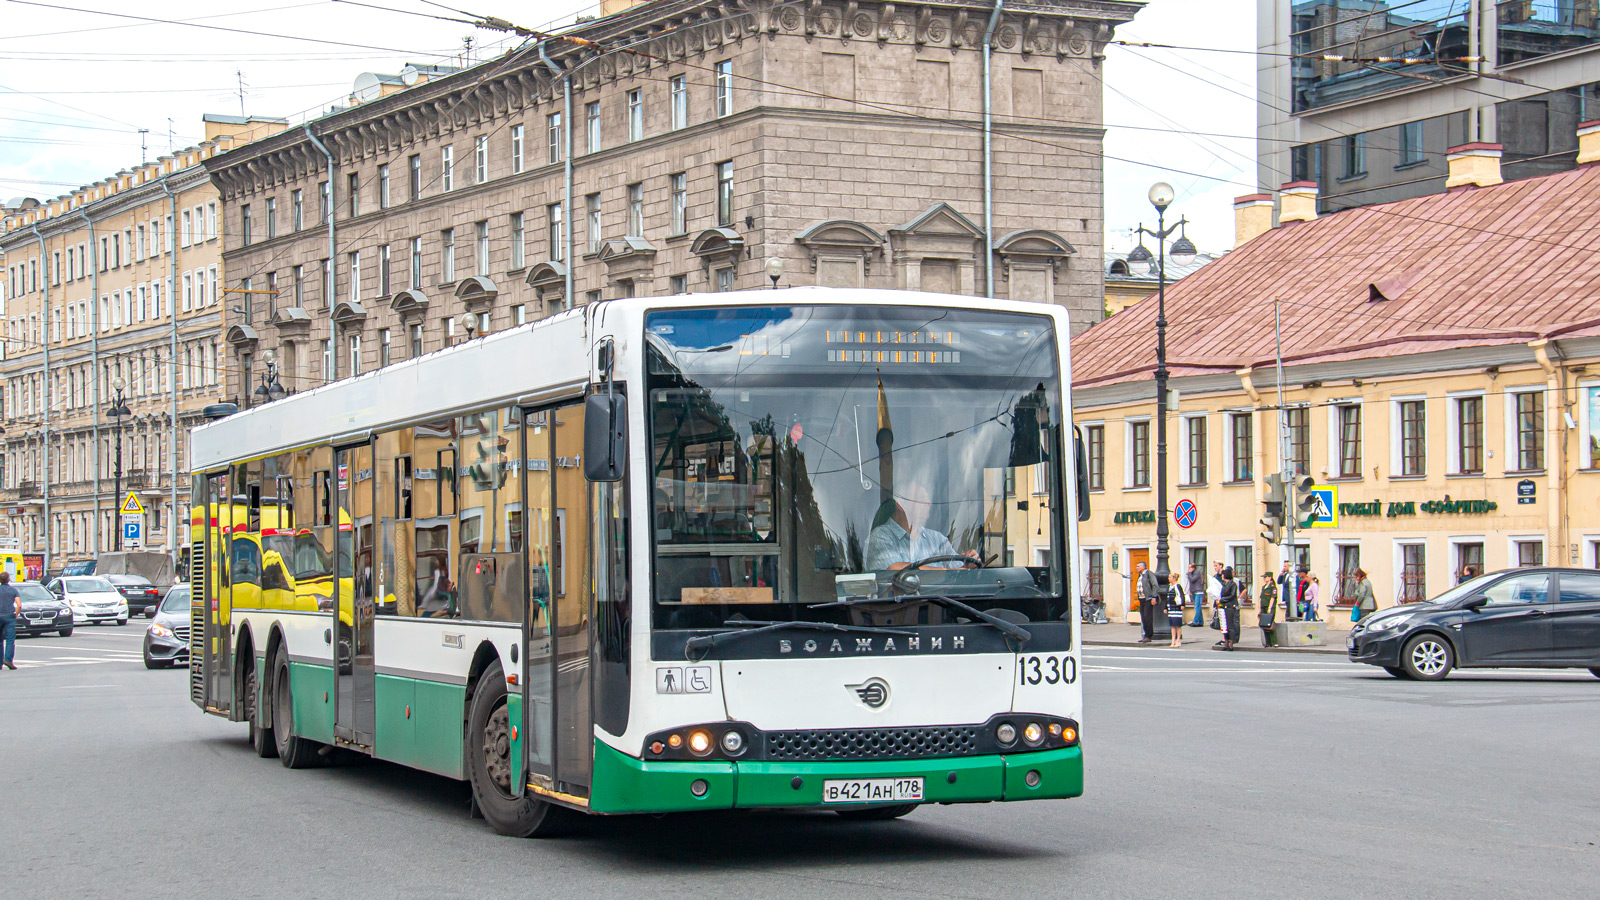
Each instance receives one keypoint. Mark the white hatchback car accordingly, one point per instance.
(93, 599)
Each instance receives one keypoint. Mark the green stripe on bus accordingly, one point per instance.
(1060, 774)
(395, 719)
(311, 689)
(623, 784)
(439, 712)
(766, 784)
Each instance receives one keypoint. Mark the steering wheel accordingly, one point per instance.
(898, 584)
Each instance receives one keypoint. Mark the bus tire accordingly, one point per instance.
(261, 737)
(293, 751)
(876, 813)
(489, 766)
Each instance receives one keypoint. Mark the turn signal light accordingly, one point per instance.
(1069, 734)
(1055, 729)
(675, 741)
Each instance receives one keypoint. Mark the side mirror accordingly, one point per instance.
(605, 437)
(1476, 603)
(1081, 465)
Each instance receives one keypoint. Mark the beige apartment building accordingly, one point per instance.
(846, 140)
(1441, 370)
(118, 282)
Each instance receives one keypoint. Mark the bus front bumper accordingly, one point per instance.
(625, 784)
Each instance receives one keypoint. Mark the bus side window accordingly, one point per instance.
(246, 561)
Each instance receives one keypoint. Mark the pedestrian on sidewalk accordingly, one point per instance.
(1175, 601)
(1148, 588)
(10, 608)
(1269, 610)
(1197, 594)
(1312, 591)
(1286, 592)
(1215, 590)
(1228, 610)
(1363, 602)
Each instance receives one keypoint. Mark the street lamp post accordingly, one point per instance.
(1183, 252)
(270, 389)
(775, 269)
(116, 412)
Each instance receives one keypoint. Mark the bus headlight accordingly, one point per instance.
(700, 742)
(1032, 733)
(1006, 733)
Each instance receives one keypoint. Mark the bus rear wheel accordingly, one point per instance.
(489, 766)
(876, 813)
(261, 736)
(293, 751)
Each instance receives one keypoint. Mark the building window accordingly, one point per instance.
(1413, 573)
(416, 263)
(1241, 437)
(1194, 434)
(635, 115)
(1410, 143)
(354, 259)
(678, 88)
(327, 361)
(553, 227)
(383, 347)
(1469, 435)
(1355, 155)
(636, 210)
(678, 285)
(1529, 553)
(414, 186)
(518, 242)
(725, 88)
(516, 149)
(725, 280)
(1530, 429)
(447, 255)
(383, 270)
(1347, 559)
(1469, 560)
(725, 193)
(383, 186)
(355, 355)
(447, 177)
(480, 160)
(1094, 564)
(1244, 566)
(519, 314)
(1413, 437)
(244, 233)
(591, 114)
(1094, 438)
(679, 185)
(416, 340)
(1349, 418)
(1299, 439)
(353, 185)
(272, 217)
(481, 258)
(553, 135)
(591, 205)
(297, 211)
(1139, 454)
(299, 286)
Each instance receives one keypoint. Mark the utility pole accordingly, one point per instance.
(239, 73)
(144, 146)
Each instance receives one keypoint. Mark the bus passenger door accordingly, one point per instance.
(354, 603)
(560, 754)
(218, 662)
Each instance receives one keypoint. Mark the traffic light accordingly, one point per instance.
(1273, 500)
(1308, 505)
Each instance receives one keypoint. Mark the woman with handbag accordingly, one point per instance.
(1363, 602)
(1228, 604)
(1269, 610)
(1175, 602)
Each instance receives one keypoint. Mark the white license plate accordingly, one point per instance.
(872, 790)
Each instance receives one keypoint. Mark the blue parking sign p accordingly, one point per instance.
(130, 531)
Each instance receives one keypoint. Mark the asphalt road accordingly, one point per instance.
(1210, 775)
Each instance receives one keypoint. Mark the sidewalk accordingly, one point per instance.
(1117, 634)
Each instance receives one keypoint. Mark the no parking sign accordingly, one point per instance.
(1185, 513)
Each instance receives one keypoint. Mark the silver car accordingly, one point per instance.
(166, 640)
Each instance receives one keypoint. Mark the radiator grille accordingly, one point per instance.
(197, 623)
(875, 743)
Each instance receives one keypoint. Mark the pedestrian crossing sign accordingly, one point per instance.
(131, 506)
(1323, 510)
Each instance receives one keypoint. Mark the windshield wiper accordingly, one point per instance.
(1021, 634)
(707, 641)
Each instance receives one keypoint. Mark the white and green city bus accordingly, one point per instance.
(744, 550)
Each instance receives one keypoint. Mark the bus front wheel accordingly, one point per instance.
(489, 766)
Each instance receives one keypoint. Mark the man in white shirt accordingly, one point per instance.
(902, 540)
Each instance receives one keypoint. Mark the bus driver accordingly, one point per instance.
(902, 540)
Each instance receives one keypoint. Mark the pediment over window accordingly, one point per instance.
(940, 219)
(717, 245)
(841, 238)
(548, 280)
(349, 312)
(476, 290)
(1035, 246)
(241, 335)
(409, 303)
(291, 319)
(626, 248)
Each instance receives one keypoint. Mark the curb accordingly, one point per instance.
(1325, 651)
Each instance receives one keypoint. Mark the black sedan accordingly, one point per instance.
(166, 641)
(142, 596)
(42, 612)
(1523, 618)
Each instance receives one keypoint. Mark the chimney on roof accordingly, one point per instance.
(1473, 165)
(1588, 142)
(1298, 202)
(1252, 217)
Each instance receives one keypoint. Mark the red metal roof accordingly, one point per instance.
(1475, 266)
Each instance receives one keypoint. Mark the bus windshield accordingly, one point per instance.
(808, 455)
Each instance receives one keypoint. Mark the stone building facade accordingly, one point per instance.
(121, 279)
(700, 139)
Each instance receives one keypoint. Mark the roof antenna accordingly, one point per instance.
(143, 147)
(240, 74)
(170, 144)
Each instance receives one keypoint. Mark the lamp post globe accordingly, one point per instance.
(774, 269)
(1139, 260)
(1183, 251)
(1161, 195)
